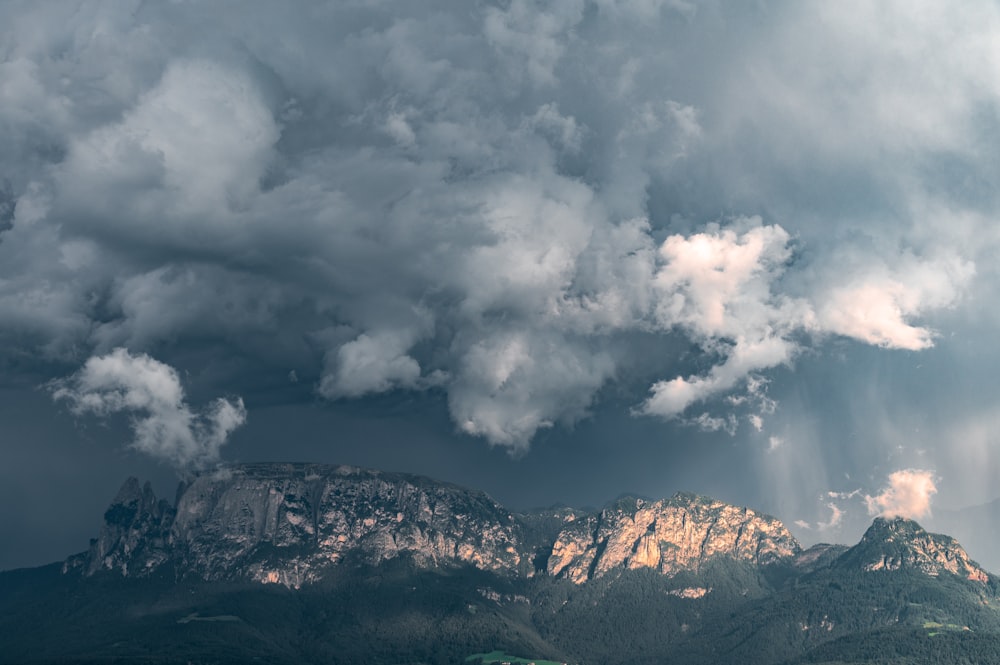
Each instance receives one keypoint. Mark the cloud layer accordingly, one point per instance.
(492, 201)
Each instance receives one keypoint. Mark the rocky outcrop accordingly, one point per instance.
(135, 536)
(672, 535)
(902, 544)
(288, 523)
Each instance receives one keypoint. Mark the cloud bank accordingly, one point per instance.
(164, 425)
(494, 201)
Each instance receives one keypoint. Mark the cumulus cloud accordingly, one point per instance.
(196, 143)
(875, 308)
(371, 364)
(511, 385)
(164, 425)
(908, 495)
(716, 285)
(491, 201)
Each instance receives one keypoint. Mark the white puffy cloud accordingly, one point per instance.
(875, 308)
(908, 495)
(717, 286)
(164, 425)
(717, 283)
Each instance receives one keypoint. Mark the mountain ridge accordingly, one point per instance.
(289, 523)
(307, 563)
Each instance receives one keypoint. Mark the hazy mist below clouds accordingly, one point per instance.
(740, 249)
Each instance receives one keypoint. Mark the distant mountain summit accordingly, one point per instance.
(669, 536)
(902, 544)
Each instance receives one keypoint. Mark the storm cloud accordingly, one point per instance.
(690, 212)
(460, 199)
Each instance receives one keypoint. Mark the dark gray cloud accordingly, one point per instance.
(525, 215)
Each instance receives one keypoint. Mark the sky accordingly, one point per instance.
(557, 252)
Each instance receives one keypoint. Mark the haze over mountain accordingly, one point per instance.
(554, 251)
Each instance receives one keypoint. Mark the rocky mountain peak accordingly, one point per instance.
(130, 491)
(671, 535)
(288, 523)
(899, 543)
(136, 527)
(892, 528)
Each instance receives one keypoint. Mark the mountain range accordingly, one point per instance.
(306, 563)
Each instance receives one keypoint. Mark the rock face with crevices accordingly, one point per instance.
(135, 535)
(902, 544)
(288, 523)
(680, 533)
(291, 523)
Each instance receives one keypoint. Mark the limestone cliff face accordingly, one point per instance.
(287, 524)
(135, 533)
(900, 544)
(669, 536)
(291, 523)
